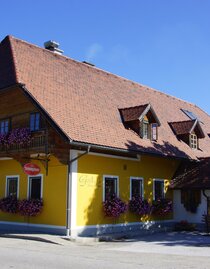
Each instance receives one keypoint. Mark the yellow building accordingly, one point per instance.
(75, 140)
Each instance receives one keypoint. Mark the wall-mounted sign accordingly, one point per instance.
(31, 169)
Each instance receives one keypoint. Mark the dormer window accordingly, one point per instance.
(145, 129)
(148, 130)
(141, 119)
(191, 115)
(154, 131)
(188, 131)
(193, 141)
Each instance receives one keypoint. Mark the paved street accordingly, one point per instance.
(172, 250)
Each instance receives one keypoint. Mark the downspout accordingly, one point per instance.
(69, 190)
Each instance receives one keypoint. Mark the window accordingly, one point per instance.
(12, 186)
(158, 189)
(191, 115)
(191, 199)
(154, 133)
(145, 130)
(193, 141)
(110, 187)
(148, 130)
(4, 126)
(35, 187)
(136, 187)
(35, 121)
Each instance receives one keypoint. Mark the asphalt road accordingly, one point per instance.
(158, 251)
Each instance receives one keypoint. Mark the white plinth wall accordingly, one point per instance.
(180, 213)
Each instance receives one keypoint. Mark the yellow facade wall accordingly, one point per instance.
(54, 191)
(92, 168)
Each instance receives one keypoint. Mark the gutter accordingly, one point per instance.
(69, 191)
(118, 150)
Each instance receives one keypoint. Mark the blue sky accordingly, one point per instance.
(160, 43)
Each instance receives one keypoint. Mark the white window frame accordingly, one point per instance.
(140, 179)
(117, 186)
(6, 185)
(29, 185)
(160, 180)
(154, 126)
(193, 141)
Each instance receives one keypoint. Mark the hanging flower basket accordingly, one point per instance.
(19, 136)
(30, 208)
(162, 207)
(114, 207)
(9, 204)
(3, 139)
(139, 206)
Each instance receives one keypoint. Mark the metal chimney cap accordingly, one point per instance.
(51, 44)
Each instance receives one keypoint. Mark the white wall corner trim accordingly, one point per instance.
(73, 194)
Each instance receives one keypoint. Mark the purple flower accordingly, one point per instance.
(20, 136)
(139, 206)
(162, 206)
(9, 204)
(114, 207)
(3, 139)
(30, 208)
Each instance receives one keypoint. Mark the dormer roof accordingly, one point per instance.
(138, 112)
(187, 127)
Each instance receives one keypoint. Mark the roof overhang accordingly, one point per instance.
(197, 125)
(46, 115)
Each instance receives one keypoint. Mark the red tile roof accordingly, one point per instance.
(83, 100)
(191, 175)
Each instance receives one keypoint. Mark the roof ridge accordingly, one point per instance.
(10, 37)
(106, 72)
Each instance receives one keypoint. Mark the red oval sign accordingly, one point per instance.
(31, 169)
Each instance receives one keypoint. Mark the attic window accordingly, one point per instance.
(148, 130)
(188, 131)
(154, 131)
(193, 141)
(191, 115)
(145, 129)
(141, 119)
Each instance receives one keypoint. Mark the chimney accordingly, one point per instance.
(53, 46)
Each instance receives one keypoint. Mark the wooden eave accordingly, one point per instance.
(147, 109)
